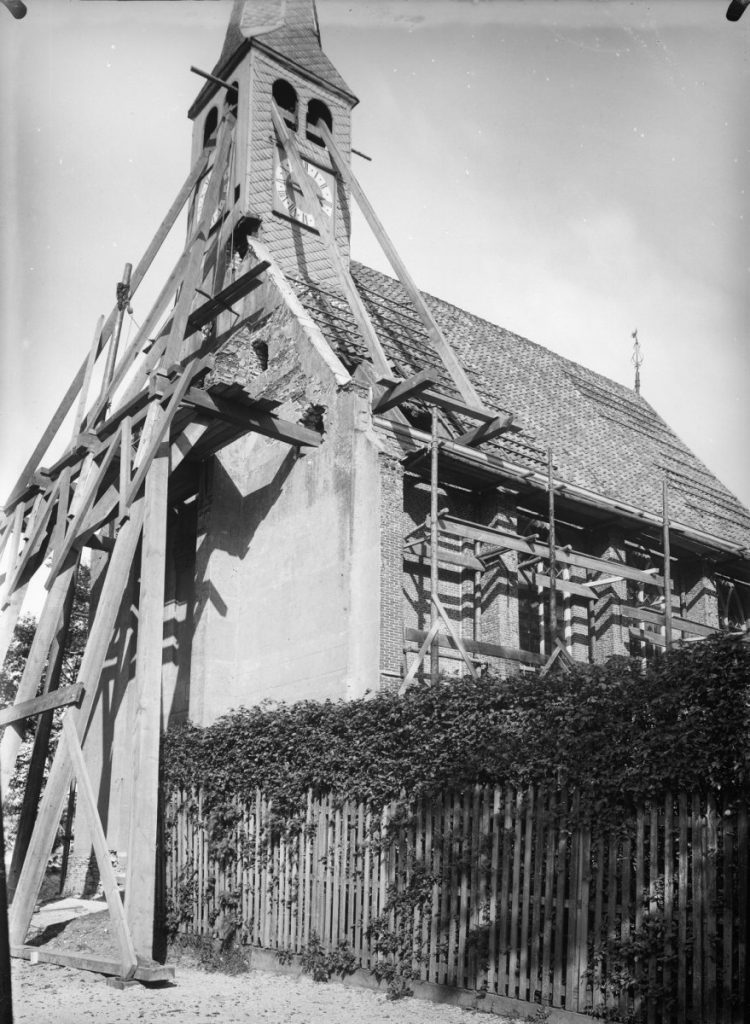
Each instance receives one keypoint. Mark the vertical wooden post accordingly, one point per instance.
(141, 864)
(35, 775)
(552, 558)
(667, 571)
(434, 571)
(6, 996)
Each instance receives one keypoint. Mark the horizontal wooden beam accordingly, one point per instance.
(489, 535)
(150, 974)
(478, 647)
(488, 431)
(406, 390)
(251, 418)
(420, 552)
(225, 298)
(567, 586)
(659, 619)
(451, 404)
(38, 705)
(647, 638)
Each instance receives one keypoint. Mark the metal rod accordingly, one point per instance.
(123, 296)
(435, 647)
(552, 558)
(667, 573)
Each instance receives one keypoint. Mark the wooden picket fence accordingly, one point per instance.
(495, 889)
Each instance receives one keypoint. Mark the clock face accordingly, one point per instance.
(288, 198)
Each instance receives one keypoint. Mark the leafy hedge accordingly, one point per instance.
(618, 733)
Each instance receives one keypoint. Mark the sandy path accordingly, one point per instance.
(45, 993)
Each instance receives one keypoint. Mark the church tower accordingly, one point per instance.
(272, 53)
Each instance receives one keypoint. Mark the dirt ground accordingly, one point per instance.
(45, 992)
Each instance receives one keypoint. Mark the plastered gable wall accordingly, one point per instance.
(288, 545)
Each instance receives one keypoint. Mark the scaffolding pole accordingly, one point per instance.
(434, 578)
(552, 556)
(667, 570)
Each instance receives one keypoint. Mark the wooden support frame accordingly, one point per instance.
(488, 431)
(405, 391)
(362, 317)
(448, 357)
(47, 702)
(138, 274)
(491, 535)
(252, 418)
(226, 297)
(482, 648)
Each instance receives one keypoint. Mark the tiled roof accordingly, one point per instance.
(604, 436)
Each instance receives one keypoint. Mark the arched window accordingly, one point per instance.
(286, 101)
(317, 111)
(209, 128)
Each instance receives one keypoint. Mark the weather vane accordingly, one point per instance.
(637, 360)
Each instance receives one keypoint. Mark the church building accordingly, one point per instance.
(305, 573)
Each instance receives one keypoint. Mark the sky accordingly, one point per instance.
(569, 169)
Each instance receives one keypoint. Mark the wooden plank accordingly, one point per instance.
(488, 431)
(658, 619)
(140, 883)
(224, 299)
(597, 980)
(710, 1007)
(38, 541)
(549, 880)
(582, 914)
(561, 871)
(30, 708)
(667, 973)
(454, 889)
(728, 829)
(698, 843)
(177, 343)
(538, 579)
(9, 619)
(504, 979)
(148, 973)
(513, 990)
(87, 803)
(570, 965)
(422, 552)
(47, 626)
(449, 403)
(640, 854)
(302, 180)
(743, 874)
(464, 889)
(252, 418)
(483, 868)
(653, 905)
(480, 647)
(523, 960)
(683, 814)
(457, 641)
(86, 382)
(83, 505)
(536, 894)
(405, 390)
(497, 842)
(444, 908)
(439, 343)
(56, 790)
(489, 535)
(655, 639)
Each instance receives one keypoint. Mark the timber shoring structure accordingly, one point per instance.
(110, 490)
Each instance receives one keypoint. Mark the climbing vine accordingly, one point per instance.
(618, 733)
